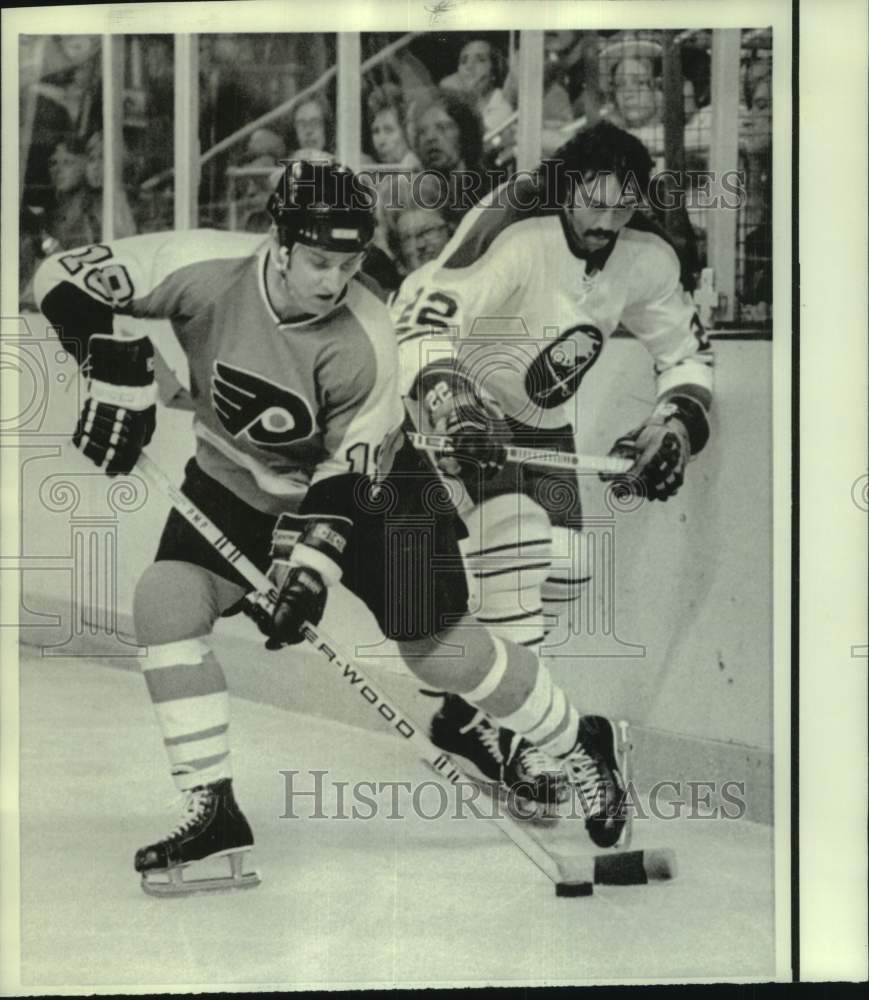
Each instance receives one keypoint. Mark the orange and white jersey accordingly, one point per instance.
(527, 313)
(279, 407)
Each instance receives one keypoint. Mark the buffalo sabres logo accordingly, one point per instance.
(269, 415)
(557, 371)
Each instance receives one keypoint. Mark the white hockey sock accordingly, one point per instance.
(188, 690)
(565, 586)
(507, 557)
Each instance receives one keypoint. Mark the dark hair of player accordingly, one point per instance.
(601, 148)
(323, 205)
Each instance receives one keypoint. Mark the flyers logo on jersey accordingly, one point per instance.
(556, 372)
(269, 415)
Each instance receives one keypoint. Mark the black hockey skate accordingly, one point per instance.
(593, 769)
(212, 828)
(491, 755)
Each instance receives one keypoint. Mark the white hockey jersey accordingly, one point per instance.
(279, 407)
(527, 314)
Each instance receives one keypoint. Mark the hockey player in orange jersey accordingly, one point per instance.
(297, 414)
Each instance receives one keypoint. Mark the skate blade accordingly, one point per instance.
(624, 750)
(170, 882)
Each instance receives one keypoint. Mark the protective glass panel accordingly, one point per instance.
(262, 98)
(62, 156)
(754, 226)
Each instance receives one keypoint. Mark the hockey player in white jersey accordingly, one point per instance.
(519, 305)
(294, 386)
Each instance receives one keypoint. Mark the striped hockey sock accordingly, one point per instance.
(188, 691)
(546, 718)
(544, 715)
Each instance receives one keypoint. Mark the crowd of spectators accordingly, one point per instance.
(442, 108)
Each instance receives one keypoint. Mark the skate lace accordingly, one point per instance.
(537, 762)
(585, 772)
(486, 733)
(193, 803)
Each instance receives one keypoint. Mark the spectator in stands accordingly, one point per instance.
(64, 103)
(387, 115)
(312, 124)
(448, 140)
(419, 236)
(632, 69)
(124, 223)
(563, 92)
(76, 88)
(265, 142)
(756, 123)
(264, 152)
(480, 76)
(447, 132)
(73, 219)
(755, 147)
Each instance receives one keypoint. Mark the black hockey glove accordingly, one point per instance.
(478, 431)
(475, 423)
(119, 415)
(660, 448)
(307, 556)
(302, 598)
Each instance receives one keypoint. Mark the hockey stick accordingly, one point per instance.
(533, 456)
(571, 876)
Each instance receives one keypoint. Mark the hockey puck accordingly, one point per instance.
(574, 889)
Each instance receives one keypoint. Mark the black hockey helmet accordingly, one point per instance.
(324, 205)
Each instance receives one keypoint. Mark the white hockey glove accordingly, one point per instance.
(661, 447)
(119, 415)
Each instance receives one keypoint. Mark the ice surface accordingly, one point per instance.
(343, 901)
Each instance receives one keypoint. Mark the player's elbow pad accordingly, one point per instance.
(75, 315)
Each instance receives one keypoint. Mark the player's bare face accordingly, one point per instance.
(315, 279)
(600, 209)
